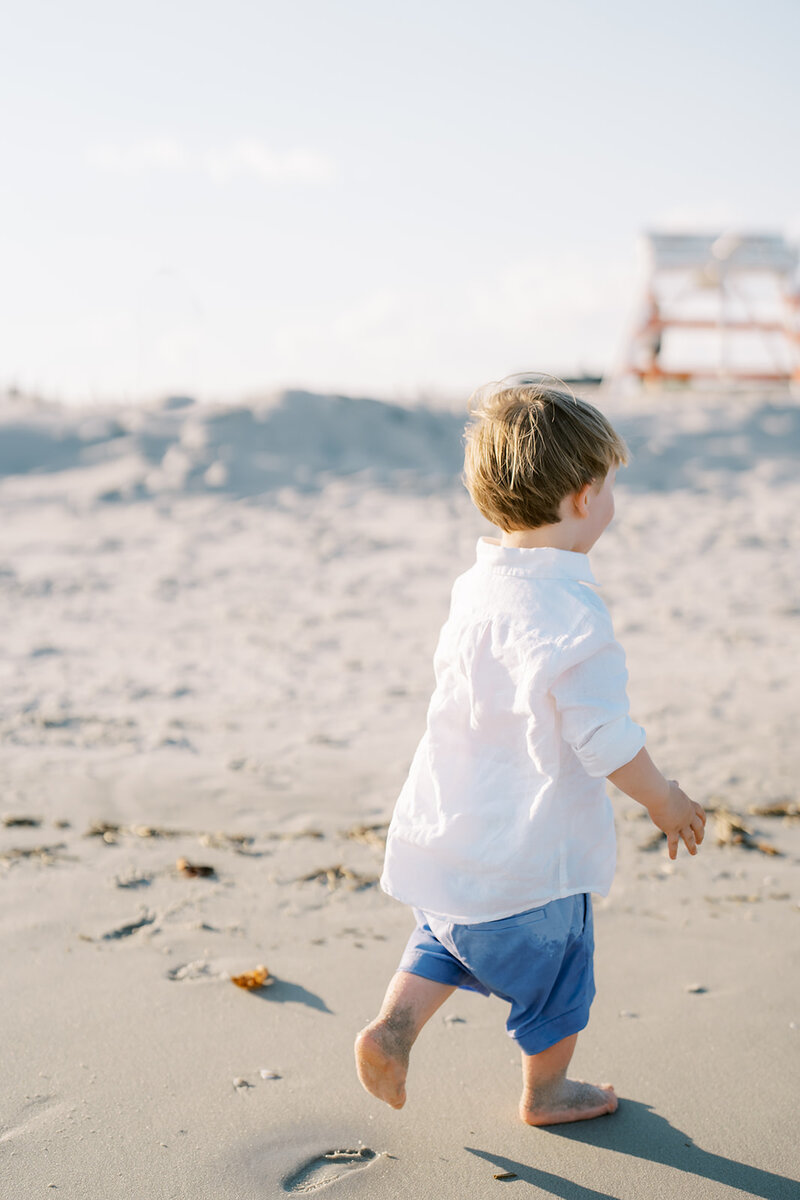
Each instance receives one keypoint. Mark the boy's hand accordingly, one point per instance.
(680, 819)
(670, 808)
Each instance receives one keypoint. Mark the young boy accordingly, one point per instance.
(503, 827)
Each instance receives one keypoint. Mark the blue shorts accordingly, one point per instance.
(539, 961)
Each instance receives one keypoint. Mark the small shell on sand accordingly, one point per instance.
(696, 988)
(267, 1074)
(252, 980)
(194, 870)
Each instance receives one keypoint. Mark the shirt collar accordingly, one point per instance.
(537, 562)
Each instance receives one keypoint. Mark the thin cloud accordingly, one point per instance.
(241, 158)
(249, 157)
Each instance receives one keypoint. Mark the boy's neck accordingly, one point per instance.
(557, 537)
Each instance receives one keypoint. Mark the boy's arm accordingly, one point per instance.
(591, 698)
(669, 807)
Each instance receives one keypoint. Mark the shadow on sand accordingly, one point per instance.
(638, 1131)
(283, 992)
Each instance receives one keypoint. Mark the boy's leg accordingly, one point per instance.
(549, 1098)
(382, 1049)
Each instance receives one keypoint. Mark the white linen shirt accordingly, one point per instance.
(505, 807)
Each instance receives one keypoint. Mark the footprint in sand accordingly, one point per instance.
(327, 1168)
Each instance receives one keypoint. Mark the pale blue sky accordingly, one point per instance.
(389, 199)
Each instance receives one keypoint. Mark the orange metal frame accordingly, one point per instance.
(644, 359)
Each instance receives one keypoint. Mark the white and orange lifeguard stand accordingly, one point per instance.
(719, 307)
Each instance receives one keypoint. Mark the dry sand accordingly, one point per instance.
(217, 631)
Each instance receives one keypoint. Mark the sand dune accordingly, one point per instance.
(293, 439)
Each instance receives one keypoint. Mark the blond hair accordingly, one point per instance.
(530, 443)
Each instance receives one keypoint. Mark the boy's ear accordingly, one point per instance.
(581, 500)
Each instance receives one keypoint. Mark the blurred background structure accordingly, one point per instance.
(733, 296)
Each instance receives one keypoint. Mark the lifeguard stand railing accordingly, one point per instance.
(709, 299)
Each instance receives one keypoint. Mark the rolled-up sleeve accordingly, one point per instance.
(591, 697)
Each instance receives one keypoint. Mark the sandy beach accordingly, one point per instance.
(217, 630)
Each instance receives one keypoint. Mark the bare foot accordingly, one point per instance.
(567, 1100)
(382, 1062)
